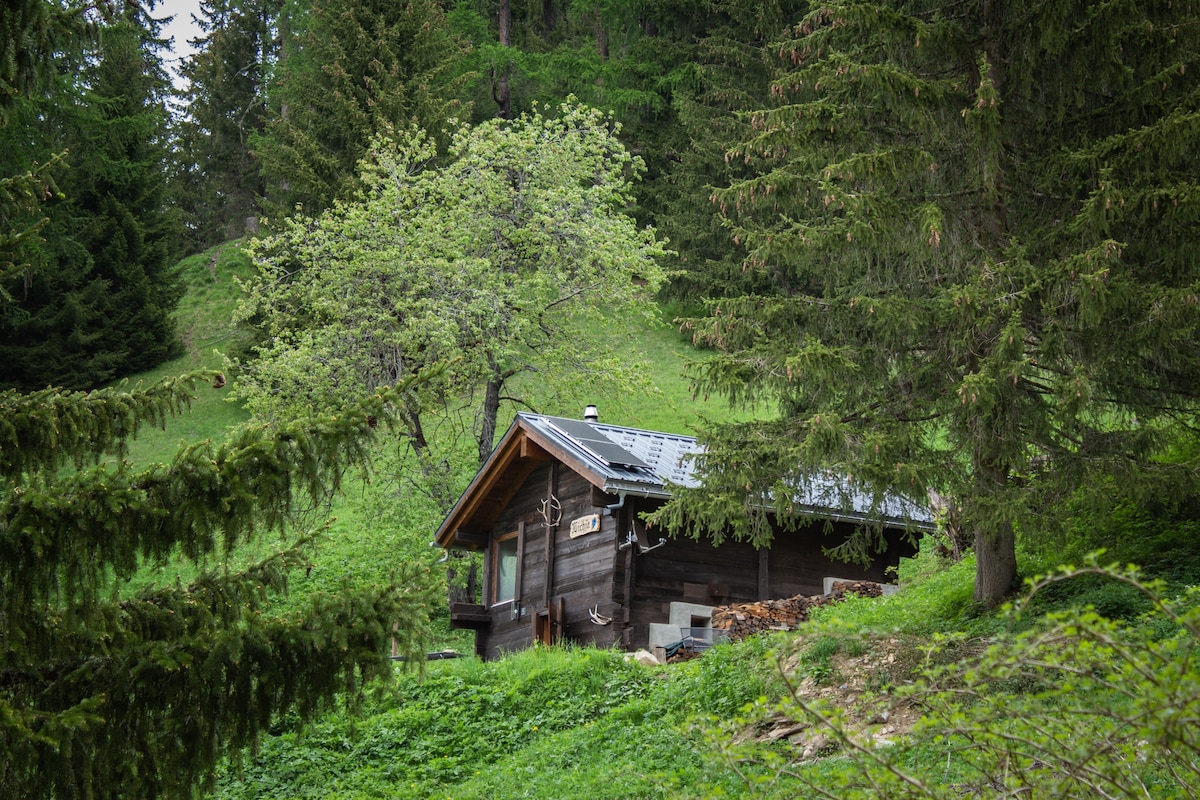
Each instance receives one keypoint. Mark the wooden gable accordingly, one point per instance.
(521, 451)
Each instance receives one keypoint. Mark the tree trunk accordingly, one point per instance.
(490, 410)
(500, 91)
(995, 539)
(601, 38)
(995, 564)
(504, 23)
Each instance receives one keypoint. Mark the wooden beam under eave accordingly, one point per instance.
(471, 540)
(531, 449)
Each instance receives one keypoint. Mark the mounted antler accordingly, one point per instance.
(551, 511)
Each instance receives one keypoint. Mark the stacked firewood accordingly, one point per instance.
(744, 619)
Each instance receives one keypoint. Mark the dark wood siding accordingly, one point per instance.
(634, 589)
(581, 567)
(686, 570)
(796, 564)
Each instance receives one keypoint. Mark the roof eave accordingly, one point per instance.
(448, 530)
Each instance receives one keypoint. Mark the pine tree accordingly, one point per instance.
(226, 109)
(726, 75)
(979, 221)
(107, 693)
(35, 36)
(100, 304)
(118, 191)
(351, 70)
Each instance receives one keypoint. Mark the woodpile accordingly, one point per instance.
(744, 619)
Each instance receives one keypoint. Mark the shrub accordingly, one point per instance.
(1076, 705)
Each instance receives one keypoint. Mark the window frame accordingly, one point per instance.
(499, 545)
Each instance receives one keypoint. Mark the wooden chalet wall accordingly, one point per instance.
(692, 571)
(582, 567)
(560, 578)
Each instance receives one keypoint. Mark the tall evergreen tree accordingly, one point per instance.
(35, 37)
(105, 694)
(726, 75)
(117, 188)
(226, 108)
(676, 74)
(100, 305)
(979, 217)
(349, 70)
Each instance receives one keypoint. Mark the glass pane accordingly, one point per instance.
(506, 570)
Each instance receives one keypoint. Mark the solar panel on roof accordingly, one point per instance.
(596, 444)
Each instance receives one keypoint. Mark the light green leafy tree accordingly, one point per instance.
(511, 262)
(978, 220)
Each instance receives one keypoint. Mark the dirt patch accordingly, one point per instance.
(855, 682)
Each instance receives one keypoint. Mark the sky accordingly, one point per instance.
(181, 29)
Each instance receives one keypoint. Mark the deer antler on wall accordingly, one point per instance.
(597, 618)
(551, 511)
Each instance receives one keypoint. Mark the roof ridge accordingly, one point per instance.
(597, 424)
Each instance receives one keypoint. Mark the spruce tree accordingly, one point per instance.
(99, 304)
(226, 108)
(350, 70)
(979, 221)
(107, 692)
(117, 188)
(726, 75)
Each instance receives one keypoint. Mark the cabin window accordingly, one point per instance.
(504, 568)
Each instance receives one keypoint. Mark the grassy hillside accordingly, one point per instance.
(204, 321)
(543, 723)
(914, 695)
(919, 695)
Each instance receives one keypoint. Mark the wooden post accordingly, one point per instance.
(551, 534)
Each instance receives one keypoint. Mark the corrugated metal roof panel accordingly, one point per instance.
(589, 439)
(668, 455)
(646, 461)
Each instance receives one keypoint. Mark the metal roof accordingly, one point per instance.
(651, 459)
(635, 461)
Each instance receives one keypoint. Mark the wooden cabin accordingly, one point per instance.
(555, 511)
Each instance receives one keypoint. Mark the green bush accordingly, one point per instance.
(1110, 599)
(1077, 705)
(1159, 531)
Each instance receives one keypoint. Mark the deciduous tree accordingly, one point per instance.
(507, 262)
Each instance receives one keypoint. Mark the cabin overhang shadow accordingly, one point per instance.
(556, 512)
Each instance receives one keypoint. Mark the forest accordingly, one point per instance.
(946, 249)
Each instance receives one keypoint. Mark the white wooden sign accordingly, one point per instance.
(588, 524)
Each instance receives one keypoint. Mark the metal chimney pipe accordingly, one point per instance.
(590, 414)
